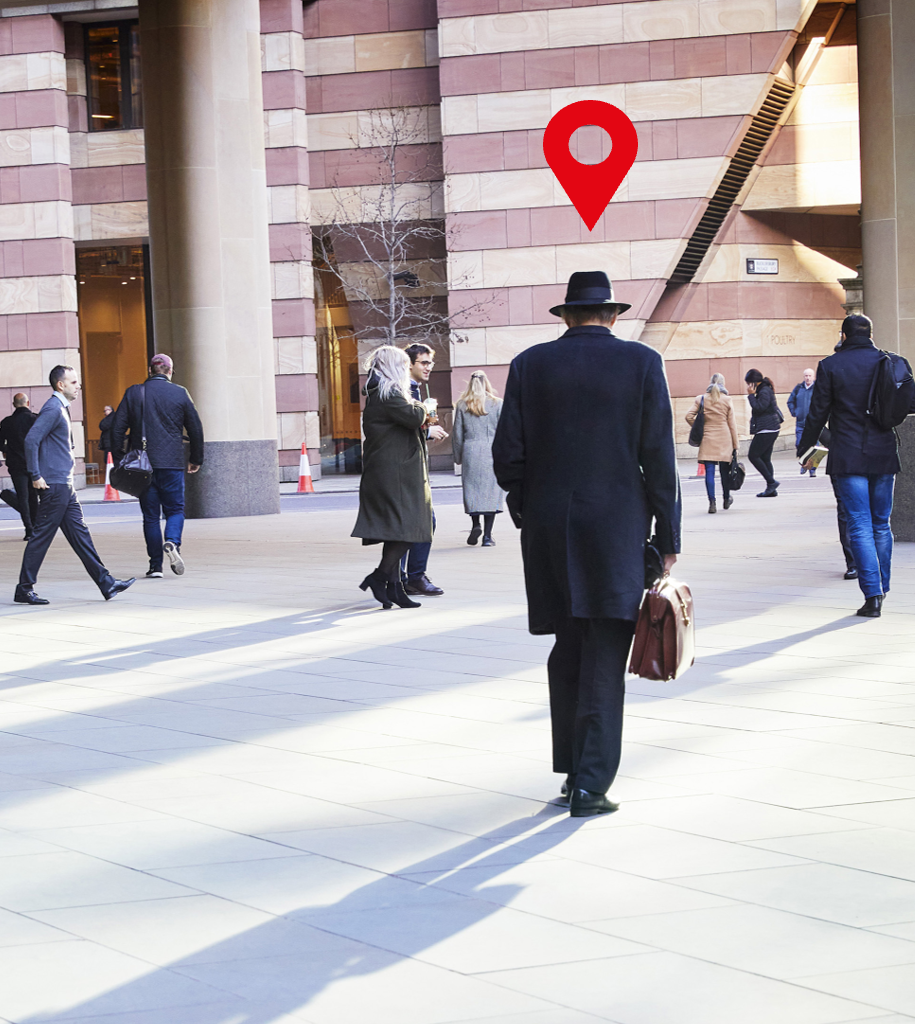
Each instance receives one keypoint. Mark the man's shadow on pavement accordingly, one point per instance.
(312, 942)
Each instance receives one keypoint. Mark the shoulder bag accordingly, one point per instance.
(665, 633)
(736, 473)
(698, 427)
(133, 473)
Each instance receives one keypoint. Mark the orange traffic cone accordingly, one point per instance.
(305, 484)
(110, 493)
(701, 471)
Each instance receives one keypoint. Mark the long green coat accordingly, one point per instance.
(395, 502)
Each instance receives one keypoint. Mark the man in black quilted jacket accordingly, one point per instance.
(157, 413)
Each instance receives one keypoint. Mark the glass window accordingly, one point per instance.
(113, 74)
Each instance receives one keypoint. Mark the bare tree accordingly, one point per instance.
(387, 242)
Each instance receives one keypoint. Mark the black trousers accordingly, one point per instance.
(28, 499)
(842, 517)
(760, 455)
(587, 672)
(58, 507)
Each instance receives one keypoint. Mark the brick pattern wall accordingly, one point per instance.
(38, 323)
(286, 141)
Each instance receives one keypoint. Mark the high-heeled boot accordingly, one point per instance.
(379, 584)
(398, 595)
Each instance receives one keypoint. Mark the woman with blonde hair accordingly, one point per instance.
(395, 503)
(476, 417)
(719, 438)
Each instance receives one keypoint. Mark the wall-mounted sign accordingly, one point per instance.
(762, 266)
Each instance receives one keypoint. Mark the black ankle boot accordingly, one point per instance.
(712, 506)
(398, 595)
(379, 584)
(871, 607)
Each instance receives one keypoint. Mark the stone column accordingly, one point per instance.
(886, 83)
(209, 249)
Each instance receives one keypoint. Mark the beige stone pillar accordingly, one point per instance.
(886, 73)
(203, 103)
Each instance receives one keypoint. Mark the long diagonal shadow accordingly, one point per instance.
(314, 947)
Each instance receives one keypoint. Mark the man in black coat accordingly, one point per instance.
(12, 443)
(585, 450)
(863, 459)
(158, 413)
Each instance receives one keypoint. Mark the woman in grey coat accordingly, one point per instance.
(395, 503)
(476, 417)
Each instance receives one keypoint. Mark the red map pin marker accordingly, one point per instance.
(590, 186)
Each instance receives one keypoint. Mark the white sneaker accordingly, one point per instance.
(174, 558)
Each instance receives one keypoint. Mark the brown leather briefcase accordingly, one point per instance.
(665, 633)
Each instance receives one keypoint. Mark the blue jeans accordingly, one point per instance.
(417, 558)
(165, 495)
(710, 479)
(868, 502)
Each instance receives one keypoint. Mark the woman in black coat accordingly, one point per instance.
(395, 503)
(765, 423)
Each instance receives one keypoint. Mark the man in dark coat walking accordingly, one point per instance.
(585, 450)
(12, 443)
(167, 411)
(863, 459)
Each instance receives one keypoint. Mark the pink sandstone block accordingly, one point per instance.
(696, 58)
(478, 307)
(459, 76)
(412, 14)
(36, 34)
(520, 305)
(77, 114)
(415, 87)
(516, 151)
(555, 225)
(545, 296)
(587, 65)
(635, 221)
(676, 218)
(464, 8)
(311, 27)
(50, 330)
(97, 185)
(463, 154)
(314, 92)
(507, 6)
(12, 259)
(661, 59)
(315, 173)
(281, 16)
(721, 301)
(348, 92)
(625, 62)
(296, 392)
(44, 183)
(134, 182)
(511, 73)
(550, 69)
(739, 54)
(664, 140)
(283, 90)
(289, 242)
(42, 108)
(9, 185)
(477, 230)
(518, 224)
(706, 136)
(344, 19)
(289, 166)
(769, 50)
(6, 36)
(293, 318)
(7, 110)
(42, 256)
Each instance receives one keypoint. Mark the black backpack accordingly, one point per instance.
(892, 391)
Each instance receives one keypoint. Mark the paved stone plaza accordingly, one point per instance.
(249, 796)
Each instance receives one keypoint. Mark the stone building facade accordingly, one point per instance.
(747, 116)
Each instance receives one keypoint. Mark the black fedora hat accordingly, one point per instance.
(590, 288)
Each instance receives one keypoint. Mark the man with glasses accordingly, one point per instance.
(422, 359)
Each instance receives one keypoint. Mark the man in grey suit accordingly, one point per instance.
(49, 459)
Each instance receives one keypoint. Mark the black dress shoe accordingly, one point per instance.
(423, 587)
(871, 607)
(585, 804)
(474, 535)
(728, 502)
(566, 788)
(29, 597)
(488, 542)
(118, 587)
(850, 574)
(769, 492)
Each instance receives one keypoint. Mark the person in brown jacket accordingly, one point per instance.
(719, 438)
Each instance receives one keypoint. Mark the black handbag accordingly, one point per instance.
(737, 473)
(133, 473)
(698, 427)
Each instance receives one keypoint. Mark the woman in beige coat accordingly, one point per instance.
(719, 438)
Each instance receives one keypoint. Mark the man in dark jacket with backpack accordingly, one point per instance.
(862, 393)
(157, 413)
